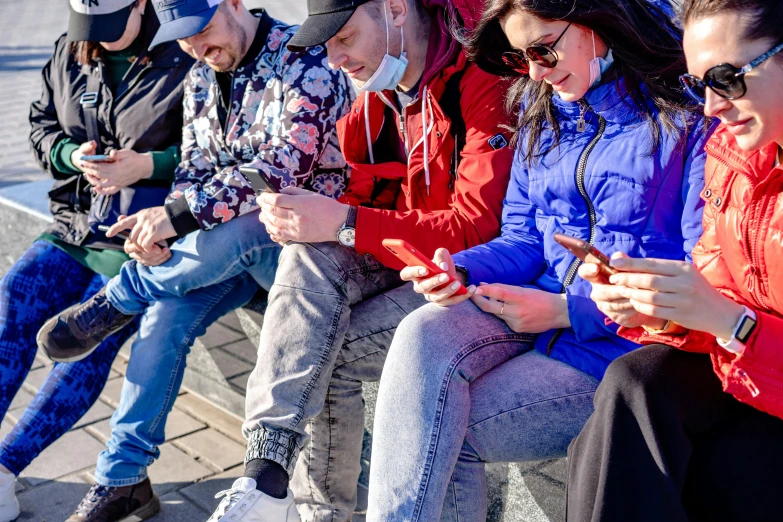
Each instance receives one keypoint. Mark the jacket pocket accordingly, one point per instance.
(759, 387)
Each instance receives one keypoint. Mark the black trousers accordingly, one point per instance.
(666, 444)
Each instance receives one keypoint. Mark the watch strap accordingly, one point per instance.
(350, 221)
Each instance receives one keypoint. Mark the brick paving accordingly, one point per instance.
(204, 447)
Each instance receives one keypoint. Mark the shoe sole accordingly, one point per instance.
(144, 512)
(48, 326)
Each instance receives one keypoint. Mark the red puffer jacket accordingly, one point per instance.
(740, 252)
(429, 202)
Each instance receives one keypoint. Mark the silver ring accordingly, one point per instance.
(503, 306)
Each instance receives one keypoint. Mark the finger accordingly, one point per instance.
(136, 231)
(662, 299)
(590, 273)
(661, 283)
(296, 191)
(619, 255)
(413, 273)
(278, 212)
(124, 223)
(487, 305)
(452, 299)
(443, 256)
(653, 310)
(623, 305)
(92, 177)
(275, 200)
(496, 292)
(431, 284)
(650, 266)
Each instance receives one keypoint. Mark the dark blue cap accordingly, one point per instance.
(182, 18)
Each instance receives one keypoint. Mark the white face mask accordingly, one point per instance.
(598, 65)
(391, 70)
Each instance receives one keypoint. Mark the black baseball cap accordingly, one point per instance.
(98, 20)
(325, 18)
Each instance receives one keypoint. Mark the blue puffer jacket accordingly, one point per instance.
(621, 199)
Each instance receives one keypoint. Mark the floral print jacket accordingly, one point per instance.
(281, 119)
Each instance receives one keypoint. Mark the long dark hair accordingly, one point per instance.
(86, 52)
(765, 21)
(647, 49)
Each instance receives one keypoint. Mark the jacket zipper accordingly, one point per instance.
(400, 120)
(581, 169)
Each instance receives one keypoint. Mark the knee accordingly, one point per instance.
(422, 341)
(640, 375)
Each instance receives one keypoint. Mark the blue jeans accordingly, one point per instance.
(42, 283)
(460, 389)
(219, 270)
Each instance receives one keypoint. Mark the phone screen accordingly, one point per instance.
(98, 158)
(257, 180)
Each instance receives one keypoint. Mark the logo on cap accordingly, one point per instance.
(91, 3)
(165, 5)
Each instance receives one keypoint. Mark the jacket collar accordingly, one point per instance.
(756, 164)
(611, 99)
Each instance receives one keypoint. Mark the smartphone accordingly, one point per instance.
(122, 234)
(588, 254)
(257, 180)
(98, 158)
(411, 256)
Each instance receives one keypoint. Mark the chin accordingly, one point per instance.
(751, 141)
(569, 96)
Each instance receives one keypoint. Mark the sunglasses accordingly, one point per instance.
(540, 54)
(724, 79)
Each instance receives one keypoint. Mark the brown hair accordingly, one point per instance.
(765, 15)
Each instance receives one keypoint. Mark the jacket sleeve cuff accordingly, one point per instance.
(61, 159)
(181, 217)
(368, 232)
(476, 271)
(164, 163)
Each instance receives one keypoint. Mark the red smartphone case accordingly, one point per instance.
(411, 256)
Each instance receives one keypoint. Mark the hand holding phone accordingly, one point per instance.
(258, 180)
(122, 234)
(411, 256)
(587, 253)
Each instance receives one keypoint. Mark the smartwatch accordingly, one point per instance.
(742, 332)
(346, 236)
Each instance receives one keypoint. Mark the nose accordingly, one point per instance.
(714, 105)
(195, 45)
(335, 57)
(538, 73)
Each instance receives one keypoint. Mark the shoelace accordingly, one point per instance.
(232, 497)
(94, 497)
(95, 316)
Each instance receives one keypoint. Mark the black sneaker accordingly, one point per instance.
(73, 334)
(106, 504)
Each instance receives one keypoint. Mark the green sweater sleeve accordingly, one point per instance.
(61, 157)
(165, 162)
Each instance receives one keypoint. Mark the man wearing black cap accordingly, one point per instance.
(248, 101)
(430, 165)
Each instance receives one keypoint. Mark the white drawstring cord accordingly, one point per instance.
(424, 104)
(367, 126)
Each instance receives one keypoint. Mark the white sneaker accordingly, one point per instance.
(244, 502)
(9, 506)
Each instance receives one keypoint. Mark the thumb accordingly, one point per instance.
(618, 255)
(442, 258)
(295, 191)
(589, 272)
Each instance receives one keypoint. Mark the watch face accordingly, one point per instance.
(347, 237)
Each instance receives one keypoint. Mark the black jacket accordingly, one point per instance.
(144, 114)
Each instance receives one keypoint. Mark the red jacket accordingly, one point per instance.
(740, 252)
(458, 213)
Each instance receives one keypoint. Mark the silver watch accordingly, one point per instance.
(346, 236)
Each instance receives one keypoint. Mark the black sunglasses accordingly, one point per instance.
(540, 54)
(724, 79)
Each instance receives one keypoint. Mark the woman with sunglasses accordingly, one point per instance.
(668, 440)
(610, 151)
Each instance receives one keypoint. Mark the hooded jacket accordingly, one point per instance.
(144, 114)
(447, 195)
(738, 254)
(600, 185)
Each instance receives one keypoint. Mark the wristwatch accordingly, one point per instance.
(346, 236)
(742, 331)
(670, 328)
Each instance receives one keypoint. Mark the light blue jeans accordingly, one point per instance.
(209, 274)
(460, 389)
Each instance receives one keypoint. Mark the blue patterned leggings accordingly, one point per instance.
(42, 283)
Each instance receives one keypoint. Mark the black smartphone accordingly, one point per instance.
(257, 180)
(123, 234)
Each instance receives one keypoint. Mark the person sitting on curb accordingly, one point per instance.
(668, 440)
(99, 88)
(610, 152)
(430, 164)
(248, 101)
